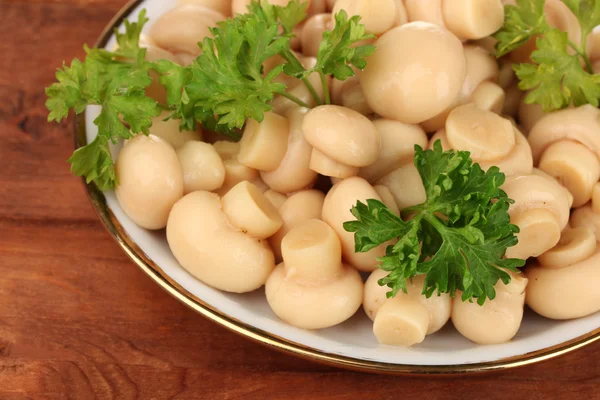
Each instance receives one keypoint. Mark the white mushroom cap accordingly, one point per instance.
(210, 248)
(575, 245)
(575, 166)
(397, 147)
(496, 321)
(342, 134)
(276, 198)
(406, 186)
(489, 96)
(425, 10)
(150, 180)
(265, 143)
(250, 211)
(541, 210)
(202, 167)
(180, 29)
(437, 307)
(376, 15)
(312, 289)
(565, 293)
(312, 33)
(473, 19)
(327, 166)
(336, 210)
(293, 173)
(299, 207)
(416, 72)
(485, 134)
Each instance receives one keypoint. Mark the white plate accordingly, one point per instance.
(350, 344)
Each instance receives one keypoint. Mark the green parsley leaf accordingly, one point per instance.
(557, 79)
(457, 238)
(287, 16)
(116, 81)
(226, 80)
(521, 23)
(95, 163)
(338, 50)
(587, 12)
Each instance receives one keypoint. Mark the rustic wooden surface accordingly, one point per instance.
(79, 321)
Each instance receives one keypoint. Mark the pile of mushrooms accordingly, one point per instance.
(269, 210)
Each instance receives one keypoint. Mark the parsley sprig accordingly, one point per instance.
(457, 238)
(557, 77)
(223, 88)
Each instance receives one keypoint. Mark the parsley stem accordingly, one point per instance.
(297, 66)
(582, 54)
(325, 87)
(293, 60)
(294, 99)
(312, 91)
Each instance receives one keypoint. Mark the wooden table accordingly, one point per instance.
(78, 320)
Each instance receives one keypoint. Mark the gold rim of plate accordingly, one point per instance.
(163, 280)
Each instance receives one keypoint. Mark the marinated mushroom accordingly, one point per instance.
(491, 139)
(425, 10)
(473, 19)
(529, 114)
(180, 29)
(575, 245)
(264, 143)
(299, 207)
(209, 247)
(353, 97)
(312, 33)
(481, 67)
(393, 324)
(558, 15)
(496, 321)
(293, 172)
(327, 166)
(312, 289)
(377, 16)
(202, 167)
(411, 63)
(343, 135)
(406, 186)
(276, 198)
(168, 130)
(571, 270)
(588, 216)
(250, 211)
(387, 198)
(336, 210)
(235, 172)
(150, 180)
(541, 211)
(398, 142)
(489, 96)
(566, 145)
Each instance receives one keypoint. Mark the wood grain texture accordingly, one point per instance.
(79, 321)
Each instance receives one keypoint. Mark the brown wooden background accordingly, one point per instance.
(79, 321)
